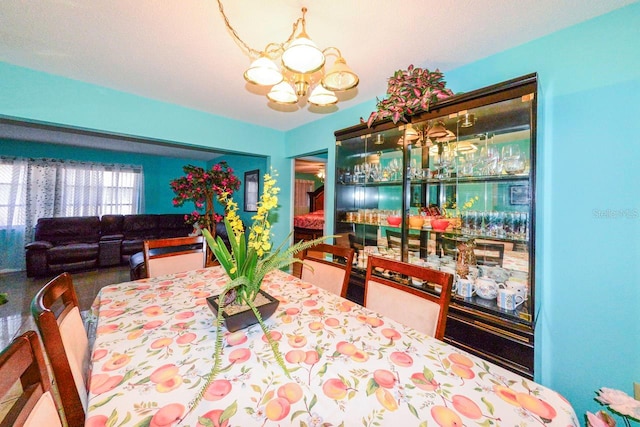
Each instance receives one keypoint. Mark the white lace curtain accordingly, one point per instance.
(38, 188)
(301, 198)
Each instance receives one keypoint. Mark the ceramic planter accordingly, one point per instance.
(246, 318)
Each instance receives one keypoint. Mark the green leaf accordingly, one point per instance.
(206, 422)
(125, 420)
(372, 386)
(145, 422)
(229, 412)
(313, 402)
(428, 374)
(104, 402)
(297, 414)
(488, 404)
(413, 410)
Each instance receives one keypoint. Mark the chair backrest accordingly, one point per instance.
(174, 255)
(332, 276)
(32, 403)
(56, 311)
(405, 303)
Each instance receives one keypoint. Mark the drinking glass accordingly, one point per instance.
(512, 159)
(492, 161)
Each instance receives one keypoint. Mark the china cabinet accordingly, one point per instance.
(453, 189)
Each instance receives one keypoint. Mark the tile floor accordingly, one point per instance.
(15, 315)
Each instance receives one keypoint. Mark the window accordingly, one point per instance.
(12, 194)
(31, 189)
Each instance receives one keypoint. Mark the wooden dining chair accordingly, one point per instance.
(56, 312)
(174, 255)
(405, 303)
(25, 389)
(332, 275)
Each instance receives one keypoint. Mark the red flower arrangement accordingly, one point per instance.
(200, 186)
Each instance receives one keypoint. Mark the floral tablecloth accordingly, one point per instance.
(349, 366)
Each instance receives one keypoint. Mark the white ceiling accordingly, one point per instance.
(179, 51)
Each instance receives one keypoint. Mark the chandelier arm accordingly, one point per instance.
(272, 50)
(269, 49)
(326, 51)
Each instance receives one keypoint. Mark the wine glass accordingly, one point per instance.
(512, 160)
(492, 161)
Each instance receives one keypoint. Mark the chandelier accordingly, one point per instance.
(302, 67)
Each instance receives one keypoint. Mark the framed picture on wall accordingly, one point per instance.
(251, 190)
(519, 194)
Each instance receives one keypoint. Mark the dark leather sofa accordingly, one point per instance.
(76, 243)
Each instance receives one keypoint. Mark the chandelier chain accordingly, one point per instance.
(272, 49)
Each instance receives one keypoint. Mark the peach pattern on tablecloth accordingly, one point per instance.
(349, 365)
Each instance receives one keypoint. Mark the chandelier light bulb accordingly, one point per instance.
(282, 93)
(263, 72)
(303, 56)
(340, 77)
(322, 97)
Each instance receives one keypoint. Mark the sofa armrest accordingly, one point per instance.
(38, 244)
(36, 258)
(111, 237)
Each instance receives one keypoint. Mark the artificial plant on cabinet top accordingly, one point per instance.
(408, 92)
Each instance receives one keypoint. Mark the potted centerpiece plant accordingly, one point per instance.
(410, 91)
(251, 257)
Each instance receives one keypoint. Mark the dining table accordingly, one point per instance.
(347, 365)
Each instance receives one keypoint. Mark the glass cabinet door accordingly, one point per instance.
(478, 179)
(369, 195)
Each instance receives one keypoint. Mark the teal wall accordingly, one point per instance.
(588, 216)
(240, 165)
(158, 171)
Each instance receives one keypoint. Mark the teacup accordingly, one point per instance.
(465, 288)
(508, 299)
(518, 287)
